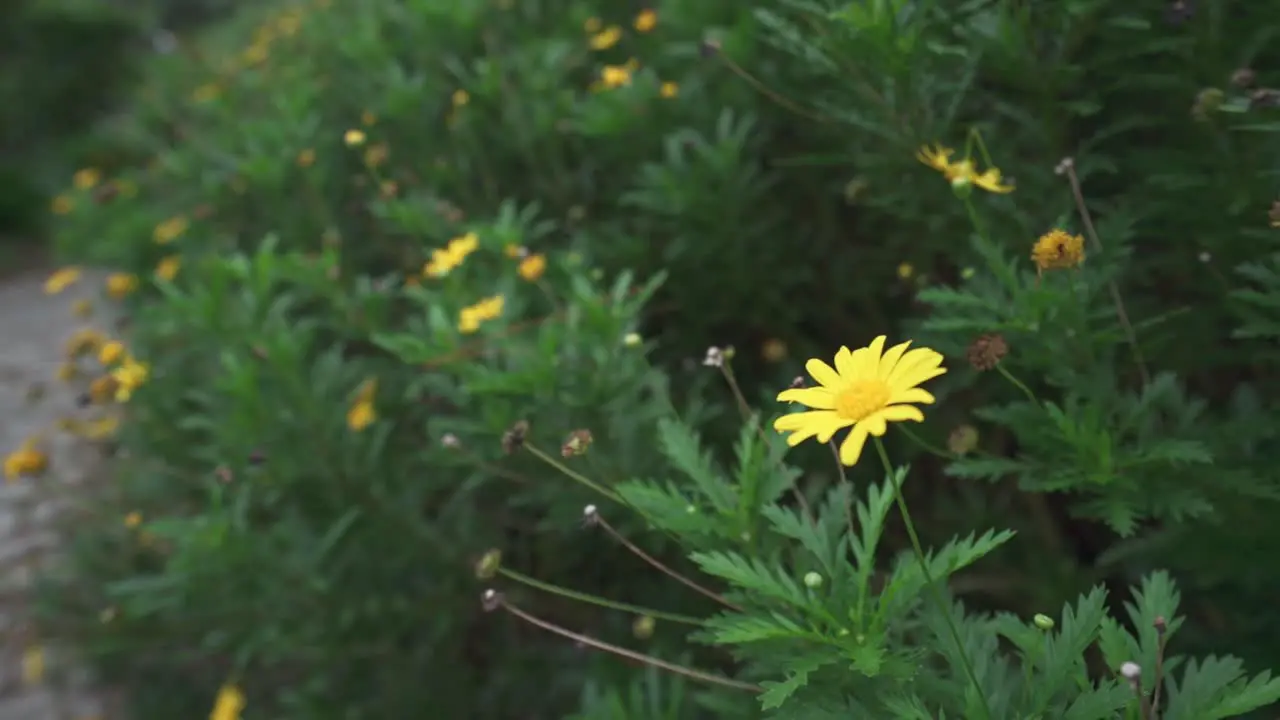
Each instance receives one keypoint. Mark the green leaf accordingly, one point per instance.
(682, 447)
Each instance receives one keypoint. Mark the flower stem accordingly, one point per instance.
(595, 600)
(571, 474)
(941, 602)
(923, 445)
(654, 562)
(1017, 383)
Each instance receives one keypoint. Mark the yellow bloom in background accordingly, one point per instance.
(84, 341)
(773, 350)
(470, 318)
(606, 38)
(26, 461)
(167, 268)
(306, 158)
(612, 76)
(61, 280)
(170, 230)
(362, 413)
(367, 118)
(1058, 250)
(447, 259)
(962, 172)
(120, 285)
(33, 665)
(353, 138)
(514, 251)
(103, 389)
(130, 376)
(133, 520)
(669, 90)
(532, 267)
(867, 389)
(61, 205)
(460, 98)
(86, 179)
(592, 25)
(645, 21)
(906, 270)
(229, 705)
(111, 352)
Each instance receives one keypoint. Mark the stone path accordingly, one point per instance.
(34, 328)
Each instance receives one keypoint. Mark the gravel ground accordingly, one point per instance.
(34, 328)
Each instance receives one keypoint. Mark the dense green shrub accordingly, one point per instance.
(309, 172)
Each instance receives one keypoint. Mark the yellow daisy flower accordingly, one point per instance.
(962, 172)
(606, 38)
(1058, 250)
(867, 389)
(532, 267)
(362, 413)
(61, 280)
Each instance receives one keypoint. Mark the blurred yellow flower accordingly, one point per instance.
(669, 90)
(103, 389)
(83, 341)
(229, 704)
(130, 375)
(532, 267)
(86, 178)
(460, 98)
(111, 352)
(592, 25)
(773, 350)
(513, 251)
(26, 461)
(606, 38)
(167, 268)
(61, 280)
(645, 21)
(471, 317)
(612, 76)
(362, 413)
(353, 138)
(206, 93)
(445, 260)
(906, 270)
(133, 520)
(33, 665)
(306, 158)
(867, 389)
(1058, 250)
(67, 371)
(119, 285)
(170, 230)
(376, 155)
(62, 205)
(963, 172)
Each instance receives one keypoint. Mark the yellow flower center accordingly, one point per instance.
(861, 398)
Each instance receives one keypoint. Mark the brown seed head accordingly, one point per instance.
(576, 444)
(513, 438)
(987, 350)
(1244, 78)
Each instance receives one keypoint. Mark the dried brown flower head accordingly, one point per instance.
(513, 438)
(987, 350)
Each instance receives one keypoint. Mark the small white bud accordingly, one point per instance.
(714, 358)
(1131, 671)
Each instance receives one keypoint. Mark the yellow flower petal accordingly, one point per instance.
(851, 448)
(818, 398)
(822, 373)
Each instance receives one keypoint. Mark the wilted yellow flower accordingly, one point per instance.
(645, 21)
(471, 317)
(867, 389)
(353, 138)
(133, 520)
(120, 285)
(962, 173)
(669, 90)
(86, 178)
(1058, 250)
(167, 268)
(306, 158)
(229, 705)
(170, 230)
(61, 205)
(362, 412)
(532, 267)
(83, 341)
(129, 375)
(61, 280)
(26, 461)
(111, 352)
(606, 38)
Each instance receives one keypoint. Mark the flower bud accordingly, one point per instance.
(812, 580)
(1044, 622)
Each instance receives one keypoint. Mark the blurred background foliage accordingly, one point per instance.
(301, 162)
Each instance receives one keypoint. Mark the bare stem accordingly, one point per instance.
(1069, 168)
(595, 600)
(495, 601)
(764, 90)
(1162, 630)
(657, 564)
(571, 473)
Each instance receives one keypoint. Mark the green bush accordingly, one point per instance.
(331, 200)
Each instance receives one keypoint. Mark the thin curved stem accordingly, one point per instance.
(941, 602)
(924, 445)
(571, 473)
(596, 600)
(663, 568)
(1017, 383)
